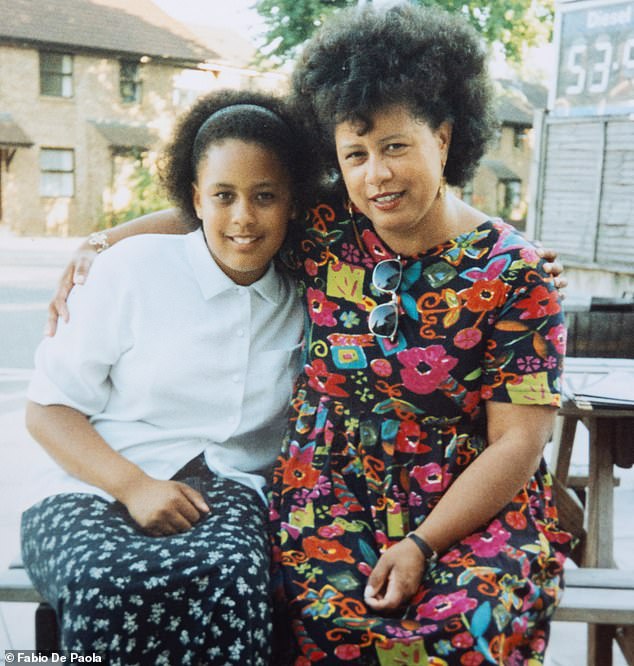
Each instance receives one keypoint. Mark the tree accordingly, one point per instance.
(146, 196)
(515, 24)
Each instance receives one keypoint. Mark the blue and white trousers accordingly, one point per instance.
(201, 597)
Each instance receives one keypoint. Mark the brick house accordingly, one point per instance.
(88, 91)
(501, 185)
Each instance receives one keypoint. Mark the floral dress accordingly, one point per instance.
(381, 428)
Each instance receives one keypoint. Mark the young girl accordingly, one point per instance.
(163, 402)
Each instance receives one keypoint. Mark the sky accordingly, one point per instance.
(234, 14)
(238, 15)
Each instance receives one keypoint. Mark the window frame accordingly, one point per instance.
(56, 81)
(53, 185)
(133, 80)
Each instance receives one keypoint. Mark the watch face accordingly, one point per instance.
(595, 73)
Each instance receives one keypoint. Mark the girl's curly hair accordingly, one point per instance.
(430, 61)
(182, 155)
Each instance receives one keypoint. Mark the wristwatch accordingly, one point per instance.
(430, 554)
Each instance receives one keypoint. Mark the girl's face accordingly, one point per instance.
(393, 171)
(243, 197)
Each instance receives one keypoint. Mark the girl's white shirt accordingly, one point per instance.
(170, 358)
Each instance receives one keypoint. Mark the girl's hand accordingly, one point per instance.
(75, 273)
(162, 508)
(396, 578)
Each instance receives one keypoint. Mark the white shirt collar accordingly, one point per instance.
(213, 281)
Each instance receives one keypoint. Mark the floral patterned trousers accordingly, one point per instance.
(201, 597)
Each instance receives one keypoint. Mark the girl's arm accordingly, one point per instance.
(517, 435)
(168, 221)
(159, 507)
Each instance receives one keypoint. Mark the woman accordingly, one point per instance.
(411, 508)
(412, 514)
(163, 401)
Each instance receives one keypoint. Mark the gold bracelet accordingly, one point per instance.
(98, 240)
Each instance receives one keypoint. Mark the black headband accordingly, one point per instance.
(227, 111)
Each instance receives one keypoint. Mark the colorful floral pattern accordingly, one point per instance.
(381, 429)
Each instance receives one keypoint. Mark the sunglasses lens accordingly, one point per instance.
(387, 275)
(383, 320)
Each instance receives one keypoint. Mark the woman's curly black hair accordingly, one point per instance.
(182, 155)
(366, 59)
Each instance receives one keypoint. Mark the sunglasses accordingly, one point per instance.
(383, 318)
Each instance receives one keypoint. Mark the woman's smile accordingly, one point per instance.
(387, 201)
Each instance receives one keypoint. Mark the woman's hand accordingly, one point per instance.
(554, 268)
(169, 221)
(162, 508)
(75, 273)
(396, 578)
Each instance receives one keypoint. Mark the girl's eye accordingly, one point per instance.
(224, 196)
(355, 156)
(395, 147)
(265, 196)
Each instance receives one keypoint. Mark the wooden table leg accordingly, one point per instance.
(563, 441)
(599, 546)
(599, 551)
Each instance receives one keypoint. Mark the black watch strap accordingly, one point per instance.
(430, 554)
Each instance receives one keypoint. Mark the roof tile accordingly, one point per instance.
(136, 27)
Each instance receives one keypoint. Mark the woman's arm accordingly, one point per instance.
(168, 221)
(159, 507)
(172, 221)
(517, 435)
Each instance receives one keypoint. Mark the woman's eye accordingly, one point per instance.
(265, 196)
(355, 156)
(395, 147)
(224, 196)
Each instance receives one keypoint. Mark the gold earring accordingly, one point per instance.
(350, 209)
(442, 188)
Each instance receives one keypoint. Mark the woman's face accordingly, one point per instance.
(393, 171)
(243, 197)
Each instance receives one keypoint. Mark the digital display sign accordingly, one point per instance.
(595, 73)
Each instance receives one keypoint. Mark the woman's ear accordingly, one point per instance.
(196, 201)
(443, 134)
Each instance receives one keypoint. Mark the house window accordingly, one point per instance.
(520, 136)
(57, 172)
(56, 74)
(510, 199)
(512, 194)
(130, 82)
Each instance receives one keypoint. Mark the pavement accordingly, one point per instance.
(35, 263)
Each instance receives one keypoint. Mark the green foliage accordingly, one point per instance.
(147, 197)
(515, 24)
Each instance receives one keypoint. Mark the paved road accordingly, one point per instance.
(29, 269)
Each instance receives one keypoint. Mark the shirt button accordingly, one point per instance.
(240, 332)
(236, 379)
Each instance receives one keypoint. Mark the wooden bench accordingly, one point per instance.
(601, 597)
(15, 586)
(597, 596)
